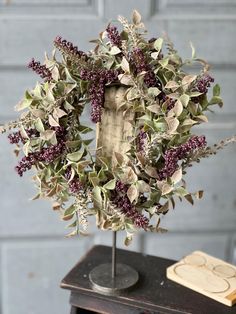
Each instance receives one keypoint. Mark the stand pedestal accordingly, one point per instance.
(153, 294)
(112, 278)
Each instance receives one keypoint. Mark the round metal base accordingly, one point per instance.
(103, 283)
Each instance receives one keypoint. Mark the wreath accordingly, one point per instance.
(132, 188)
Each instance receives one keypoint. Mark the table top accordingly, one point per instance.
(154, 293)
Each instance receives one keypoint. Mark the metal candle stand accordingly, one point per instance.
(113, 278)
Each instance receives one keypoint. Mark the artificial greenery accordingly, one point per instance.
(127, 191)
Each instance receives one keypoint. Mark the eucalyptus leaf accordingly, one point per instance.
(110, 185)
(158, 44)
(76, 156)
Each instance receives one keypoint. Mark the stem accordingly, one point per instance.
(113, 265)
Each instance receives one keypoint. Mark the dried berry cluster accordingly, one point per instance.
(98, 79)
(201, 86)
(140, 64)
(74, 185)
(113, 35)
(121, 200)
(173, 155)
(204, 83)
(16, 137)
(45, 155)
(68, 48)
(41, 70)
(141, 141)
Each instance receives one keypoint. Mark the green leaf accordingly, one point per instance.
(97, 197)
(128, 240)
(172, 85)
(216, 90)
(101, 175)
(132, 193)
(180, 191)
(173, 124)
(38, 113)
(38, 91)
(125, 65)
(76, 156)
(151, 171)
(154, 108)
(189, 198)
(68, 106)
(132, 93)
(177, 176)
(70, 210)
(58, 113)
(69, 78)
(93, 178)
(104, 161)
(187, 80)
(110, 185)
(25, 103)
(28, 96)
(39, 125)
(178, 108)
(26, 148)
(201, 118)
(184, 99)
(74, 144)
(72, 225)
(47, 135)
(88, 141)
(143, 187)
(81, 165)
(164, 62)
(216, 100)
(52, 121)
(126, 79)
(195, 94)
(120, 158)
(84, 129)
(154, 91)
(158, 44)
(114, 50)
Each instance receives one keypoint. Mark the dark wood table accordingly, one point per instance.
(154, 293)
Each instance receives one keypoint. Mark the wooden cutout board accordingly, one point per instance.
(207, 275)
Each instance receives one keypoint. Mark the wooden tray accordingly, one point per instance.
(207, 275)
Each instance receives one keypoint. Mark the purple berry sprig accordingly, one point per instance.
(113, 35)
(121, 200)
(75, 185)
(46, 154)
(68, 48)
(16, 137)
(98, 79)
(41, 70)
(139, 62)
(173, 155)
(204, 83)
(141, 141)
(201, 86)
